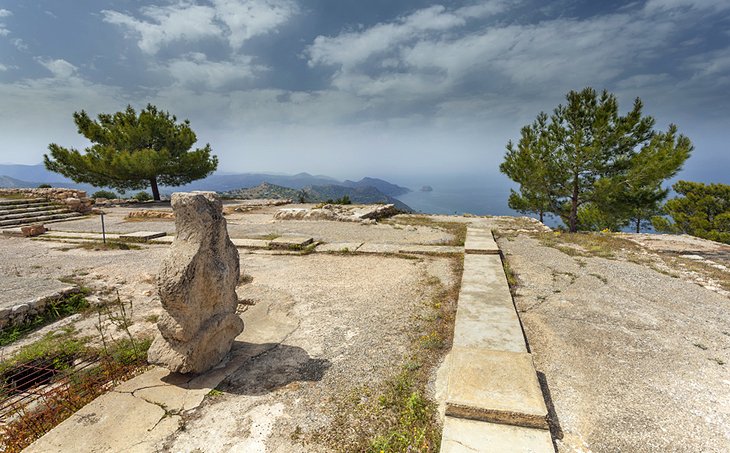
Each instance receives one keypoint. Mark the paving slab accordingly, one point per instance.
(485, 322)
(378, 248)
(430, 249)
(484, 273)
(480, 241)
(125, 421)
(472, 436)
(78, 235)
(163, 240)
(21, 290)
(339, 247)
(495, 386)
(250, 243)
(142, 236)
(291, 242)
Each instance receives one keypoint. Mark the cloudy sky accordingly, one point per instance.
(351, 87)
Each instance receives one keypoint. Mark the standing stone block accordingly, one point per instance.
(197, 287)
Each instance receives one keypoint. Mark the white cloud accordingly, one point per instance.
(4, 13)
(245, 19)
(433, 54)
(235, 21)
(665, 5)
(178, 22)
(61, 69)
(195, 70)
(352, 48)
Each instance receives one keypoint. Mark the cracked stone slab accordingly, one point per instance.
(143, 411)
(495, 386)
(124, 420)
(340, 247)
(473, 436)
(480, 241)
(142, 236)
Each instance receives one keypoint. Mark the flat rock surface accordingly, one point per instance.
(18, 290)
(633, 352)
(472, 436)
(495, 386)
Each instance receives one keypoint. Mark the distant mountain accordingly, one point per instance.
(11, 183)
(385, 187)
(219, 182)
(263, 191)
(364, 195)
(317, 194)
(31, 173)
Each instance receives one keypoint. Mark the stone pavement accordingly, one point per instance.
(143, 411)
(494, 402)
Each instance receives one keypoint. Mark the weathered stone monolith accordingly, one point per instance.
(197, 287)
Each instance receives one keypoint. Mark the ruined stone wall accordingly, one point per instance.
(75, 200)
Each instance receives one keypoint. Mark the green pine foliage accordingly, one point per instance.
(702, 210)
(591, 166)
(133, 152)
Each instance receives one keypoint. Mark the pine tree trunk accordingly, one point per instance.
(155, 190)
(574, 206)
(541, 216)
(638, 225)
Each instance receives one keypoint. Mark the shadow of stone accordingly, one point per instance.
(275, 366)
(556, 432)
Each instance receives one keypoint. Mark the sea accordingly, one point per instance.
(459, 194)
(456, 194)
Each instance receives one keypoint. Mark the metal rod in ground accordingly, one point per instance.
(103, 230)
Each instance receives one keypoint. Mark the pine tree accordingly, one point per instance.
(528, 164)
(702, 210)
(132, 152)
(637, 194)
(591, 166)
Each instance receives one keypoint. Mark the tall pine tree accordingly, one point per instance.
(593, 163)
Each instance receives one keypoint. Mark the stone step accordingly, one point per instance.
(472, 436)
(496, 387)
(41, 219)
(21, 201)
(480, 241)
(41, 213)
(31, 208)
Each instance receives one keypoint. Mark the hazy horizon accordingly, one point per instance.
(364, 88)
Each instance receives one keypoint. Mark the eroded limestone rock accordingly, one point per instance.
(197, 286)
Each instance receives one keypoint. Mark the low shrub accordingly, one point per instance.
(108, 194)
(142, 196)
